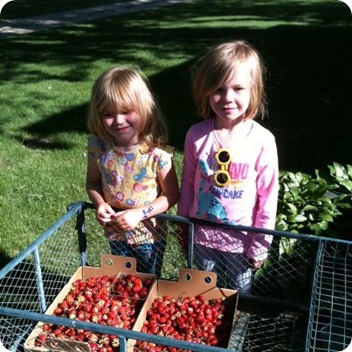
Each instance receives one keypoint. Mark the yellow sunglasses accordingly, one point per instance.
(223, 158)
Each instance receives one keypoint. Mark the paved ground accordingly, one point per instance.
(54, 20)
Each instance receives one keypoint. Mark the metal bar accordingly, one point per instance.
(39, 279)
(82, 238)
(190, 252)
(314, 302)
(123, 344)
(103, 329)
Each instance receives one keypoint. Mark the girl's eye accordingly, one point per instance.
(107, 115)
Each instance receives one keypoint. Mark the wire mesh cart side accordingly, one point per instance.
(300, 299)
(330, 319)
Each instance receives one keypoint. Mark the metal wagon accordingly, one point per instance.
(301, 299)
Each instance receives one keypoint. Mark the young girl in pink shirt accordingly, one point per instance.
(230, 170)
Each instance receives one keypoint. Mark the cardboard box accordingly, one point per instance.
(110, 265)
(190, 283)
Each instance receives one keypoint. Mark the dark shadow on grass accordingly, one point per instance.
(4, 259)
(307, 52)
(43, 133)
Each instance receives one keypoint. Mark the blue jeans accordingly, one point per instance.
(233, 269)
(149, 256)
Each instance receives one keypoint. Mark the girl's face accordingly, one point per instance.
(230, 101)
(123, 126)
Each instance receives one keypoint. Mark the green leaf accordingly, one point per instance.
(309, 207)
(296, 218)
(292, 208)
(281, 226)
(349, 170)
(316, 229)
(311, 217)
(347, 184)
(326, 217)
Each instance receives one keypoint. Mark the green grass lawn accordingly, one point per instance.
(46, 79)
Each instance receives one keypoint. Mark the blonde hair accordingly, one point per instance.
(125, 89)
(214, 69)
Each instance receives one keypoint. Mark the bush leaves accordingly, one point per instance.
(312, 204)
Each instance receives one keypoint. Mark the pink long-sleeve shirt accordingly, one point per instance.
(250, 199)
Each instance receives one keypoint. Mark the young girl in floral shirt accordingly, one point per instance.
(130, 173)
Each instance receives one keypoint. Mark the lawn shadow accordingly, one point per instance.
(42, 134)
(4, 258)
(306, 49)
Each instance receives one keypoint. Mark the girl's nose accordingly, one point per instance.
(229, 94)
(119, 119)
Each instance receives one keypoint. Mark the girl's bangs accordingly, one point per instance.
(116, 99)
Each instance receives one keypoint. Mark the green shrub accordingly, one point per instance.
(317, 205)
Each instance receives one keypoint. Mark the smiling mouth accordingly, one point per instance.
(121, 128)
(228, 109)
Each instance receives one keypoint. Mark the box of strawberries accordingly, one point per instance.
(192, 309)
(111, 295)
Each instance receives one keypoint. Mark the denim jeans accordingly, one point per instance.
(233, 269)
(149, 256)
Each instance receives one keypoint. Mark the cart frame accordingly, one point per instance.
(327, 311)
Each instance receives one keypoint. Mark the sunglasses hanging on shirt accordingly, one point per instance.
(222, 177)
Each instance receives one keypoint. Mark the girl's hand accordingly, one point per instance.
(104, 213)
(127, 220)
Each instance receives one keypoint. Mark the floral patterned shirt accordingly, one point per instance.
(129, 180)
